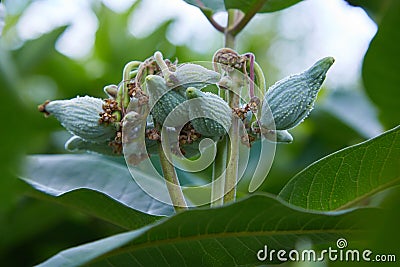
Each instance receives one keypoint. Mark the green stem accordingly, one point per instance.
(260, 78)
(218, 186)
(171, 179)
(238, 27)
(233, 148)
(229, 149)
(228, 36)
(123, 96)
(210, 18)
(233, 144)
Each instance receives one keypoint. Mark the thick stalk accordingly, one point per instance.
(233, 144)
(126, 77)
(228, 35)
(233, 147)
(218, 186)
(242, 22)
(171, 179)
(221, 158)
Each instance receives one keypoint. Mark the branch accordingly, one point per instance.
(174, 189)
(218, 175)
(247, 17)
(215, 24)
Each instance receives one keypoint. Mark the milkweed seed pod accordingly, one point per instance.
(192, 75)
(80, 116)
(75, 143)
(210, 114)
(291, 99)
(163, 101)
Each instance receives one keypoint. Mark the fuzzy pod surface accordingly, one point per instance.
(80, 116)
(291, 100)
(192, 75)
(210, 115)
(163, 101)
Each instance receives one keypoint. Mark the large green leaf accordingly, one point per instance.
(213, 6)
(226, 236)
(59, 174)
(268, 6)
(374, 8)
(208, 5)
(349, 176)
(381, 67)
(101, 206)
(35, 51)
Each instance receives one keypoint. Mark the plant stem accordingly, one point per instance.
(238, 27)
(228, 150)
(218, 187)
(171, 179)
(228, 36)
(126, 77)
(215, 24)
(233, 148)
(233, 144)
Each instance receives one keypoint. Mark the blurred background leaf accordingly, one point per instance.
(268, 6)
(208, 5)
(375, 8)
(245, 6)
(381, 67)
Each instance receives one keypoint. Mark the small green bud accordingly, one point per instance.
(80, 116)
(291, 99)
(210, 114)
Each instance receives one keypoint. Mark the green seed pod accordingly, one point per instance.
(291, 99)
(211, 114)
(80, 116)
(192, 75)
(163, 100)
(75, 143)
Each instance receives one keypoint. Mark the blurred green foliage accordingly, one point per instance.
(32, 229)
